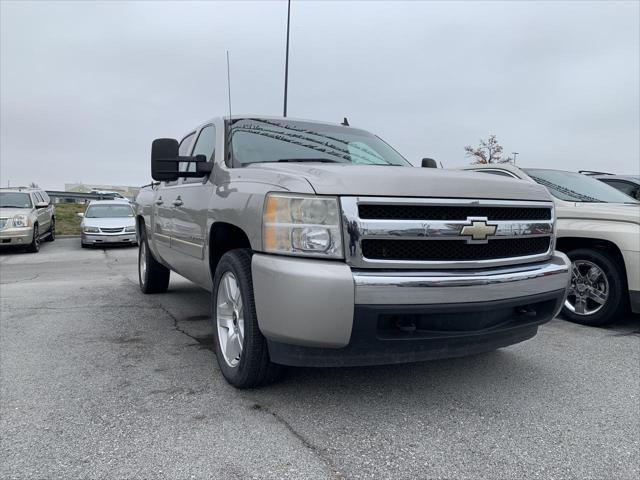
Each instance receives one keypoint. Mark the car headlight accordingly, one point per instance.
(87, 229)
(297, 224)
(20, 221)
(130, 229)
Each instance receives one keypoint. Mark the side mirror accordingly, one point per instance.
(80, 214)
(164, 160)
(42, 205)
(429, 163)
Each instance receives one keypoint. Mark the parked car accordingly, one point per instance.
(108, 222)
(27, 216)
(287, 223)
(110, 193)
(599, 229)
(628, 184)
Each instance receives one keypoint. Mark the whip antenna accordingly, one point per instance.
(286, 61)
(230, 120)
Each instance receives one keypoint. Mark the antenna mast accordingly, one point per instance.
(230, 119)
(286, 61)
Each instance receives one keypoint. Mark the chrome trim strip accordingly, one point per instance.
(446, 229)
(443, 287)
(356, 229)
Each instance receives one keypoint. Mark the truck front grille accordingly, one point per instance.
(424, 233)
(453, 250)
(448, 212)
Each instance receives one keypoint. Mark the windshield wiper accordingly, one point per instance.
(322, 160)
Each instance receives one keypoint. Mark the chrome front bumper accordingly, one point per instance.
(16, 236)
(402, 288)
(312, 302)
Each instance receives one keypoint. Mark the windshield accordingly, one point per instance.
(109, 211)
(576, 187)
(15, 200)
(256, 140)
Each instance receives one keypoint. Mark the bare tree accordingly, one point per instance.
(489, 151)
(34, 185)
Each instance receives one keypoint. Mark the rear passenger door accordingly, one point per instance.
(190, 214)
(44, 215)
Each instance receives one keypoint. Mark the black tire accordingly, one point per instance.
(84, 245)
(154, 277)
(254, 367)
(51, 237)
(616, 302)
(34, 246)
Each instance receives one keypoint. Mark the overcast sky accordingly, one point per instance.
(86, 86)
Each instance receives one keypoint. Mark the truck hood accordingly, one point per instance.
(368, 180)
(617, 212)
(10, 212)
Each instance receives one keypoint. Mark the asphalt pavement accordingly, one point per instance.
(98, 380)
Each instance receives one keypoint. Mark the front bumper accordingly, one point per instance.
(322, 313)
(99, 238)
(16, 236)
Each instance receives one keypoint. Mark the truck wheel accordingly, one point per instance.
(34, 246)
(52, 231)
(152, 275)
(241, 349)
(598, 288)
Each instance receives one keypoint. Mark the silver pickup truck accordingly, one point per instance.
(322, 246)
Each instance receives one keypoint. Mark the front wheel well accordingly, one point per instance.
(224, 237)
(566, 244)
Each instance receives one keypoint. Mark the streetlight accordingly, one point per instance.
(514, 157)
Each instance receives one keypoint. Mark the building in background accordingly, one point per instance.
(124, 191)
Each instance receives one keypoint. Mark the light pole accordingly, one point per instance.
(286, 61)
(514, 157)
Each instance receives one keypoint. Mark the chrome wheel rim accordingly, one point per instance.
(230, 319)
(142, 261)
(589, 290)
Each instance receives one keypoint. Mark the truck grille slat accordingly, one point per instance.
(449, 250)
(448, 212)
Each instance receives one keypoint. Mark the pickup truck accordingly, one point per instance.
(322, 246)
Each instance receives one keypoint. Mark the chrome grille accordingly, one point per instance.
(111, 230)
(384, 232)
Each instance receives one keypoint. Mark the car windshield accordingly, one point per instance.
(576, 187)
(109, 211)
(15, 200)
(259, 140)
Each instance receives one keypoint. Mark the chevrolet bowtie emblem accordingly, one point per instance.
(478, 230)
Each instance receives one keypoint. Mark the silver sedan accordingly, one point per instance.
(108, 222)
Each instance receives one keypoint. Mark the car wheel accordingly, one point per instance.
(597, 294)
(34, 246)
(241, 349)
(52, 231)
(152, 275)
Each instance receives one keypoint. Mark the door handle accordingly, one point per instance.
(159, 201)
(177, 202)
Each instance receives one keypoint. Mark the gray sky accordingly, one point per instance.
(86, 86)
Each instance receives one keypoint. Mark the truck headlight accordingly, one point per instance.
(297, 224)
(20, 221)
(130, 229)
(86, 229)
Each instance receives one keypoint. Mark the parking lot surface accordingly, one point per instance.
(99, 380)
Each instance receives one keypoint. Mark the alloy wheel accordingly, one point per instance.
(230, 319)
(589, 290)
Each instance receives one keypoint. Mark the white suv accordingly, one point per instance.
(599, 230)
